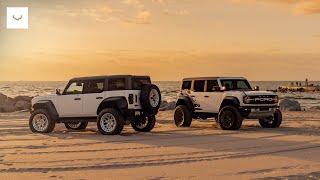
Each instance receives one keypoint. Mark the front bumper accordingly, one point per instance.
(257, 112)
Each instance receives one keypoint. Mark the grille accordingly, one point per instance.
(262, 99)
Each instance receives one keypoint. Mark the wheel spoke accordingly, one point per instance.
(40, 122)
(154, 98)
(142, 122)
(108, 122)
(179, 117)
(75, 125)
(227, 119)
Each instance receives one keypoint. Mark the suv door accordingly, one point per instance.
(70, 102)
(92, 96)
(197, 94)
(213, 97)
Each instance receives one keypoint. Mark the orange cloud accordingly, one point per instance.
(143, 17)
(136, 3)
(301, 7)
(308, 7)
(129, 11)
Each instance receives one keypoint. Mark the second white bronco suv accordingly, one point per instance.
(107, 100)
(229, 100)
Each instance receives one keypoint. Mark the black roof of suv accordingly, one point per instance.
(210, 78)
(107, 77)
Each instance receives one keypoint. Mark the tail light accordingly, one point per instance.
(130, 99)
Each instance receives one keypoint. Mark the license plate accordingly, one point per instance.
(137, 113)
(260, 109)
(264, 109)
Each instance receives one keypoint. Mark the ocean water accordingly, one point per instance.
(168, 90)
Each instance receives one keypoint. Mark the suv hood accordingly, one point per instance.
(257, 93)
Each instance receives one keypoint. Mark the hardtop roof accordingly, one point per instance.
(210, 78)
(106, 77)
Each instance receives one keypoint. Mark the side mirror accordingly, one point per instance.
(256, 88)
(58, 91)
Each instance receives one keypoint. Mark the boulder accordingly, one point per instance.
(18, 103)
(22, 98)
(289, 105)
(3, 98)
(8, 106)
(165, 106)
(22, 105)
(6, 103)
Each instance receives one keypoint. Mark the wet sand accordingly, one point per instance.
(167, 152)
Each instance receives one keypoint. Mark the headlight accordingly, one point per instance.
(247, 100)
(276, 99)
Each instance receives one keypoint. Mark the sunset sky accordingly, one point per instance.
(166, 39)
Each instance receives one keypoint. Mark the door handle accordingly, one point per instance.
(99, 97)
(77, 99)
(206, 96)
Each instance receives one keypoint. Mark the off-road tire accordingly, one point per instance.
(145, 101)
(118, 118)
(229, 118)
(82, 126)
(272, 122)
(182, 116)
(149, 120)
(50, 122)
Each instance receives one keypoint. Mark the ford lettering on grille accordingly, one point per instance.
(263, 99)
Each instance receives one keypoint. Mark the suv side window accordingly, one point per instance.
(115, 84)
(236, 84)
(74, 88)
(186, 85)
(93, 86)
(199, 85)
(227, 84)
(212, 86)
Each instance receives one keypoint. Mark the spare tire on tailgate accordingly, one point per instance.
(150, 98)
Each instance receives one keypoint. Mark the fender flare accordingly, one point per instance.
(49, 106)
(185, 101)
(119, 103)
(230, 100)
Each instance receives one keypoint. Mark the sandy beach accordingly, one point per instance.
(167, 152)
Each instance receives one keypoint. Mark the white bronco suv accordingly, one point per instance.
(107, 100)
(228, 99)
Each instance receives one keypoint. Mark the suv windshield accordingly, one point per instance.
(235, 84)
